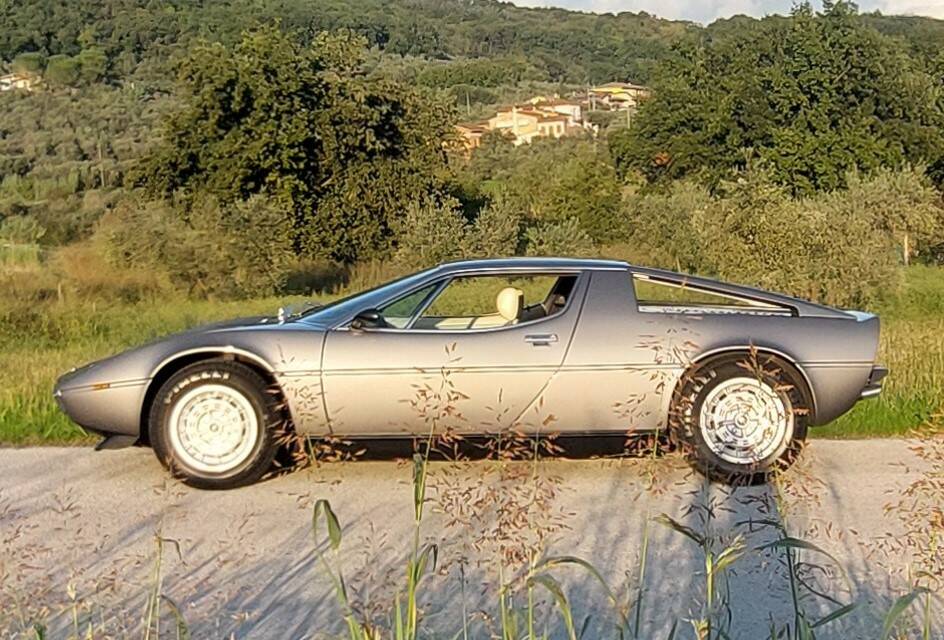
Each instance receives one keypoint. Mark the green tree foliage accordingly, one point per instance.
(841, 247)
(562, 45)
(30, 62)
(555, 180)
(237, 251)
(478, 72)
(62, 71)
(561, 238)
(92, 64)
(64, 155)
(496, 231)
(814, 97)
(302, 125)
(21, 230)
(431, 232)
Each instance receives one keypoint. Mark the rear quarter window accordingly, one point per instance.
(662, 296)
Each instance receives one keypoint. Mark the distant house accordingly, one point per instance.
(540, 117)
(526, 122)
(570, 108)
(618, 95)
(22, 81)
(471, 134)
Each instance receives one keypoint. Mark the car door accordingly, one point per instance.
(470, 374)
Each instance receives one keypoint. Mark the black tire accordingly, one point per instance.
(710, 450)
(258, 444)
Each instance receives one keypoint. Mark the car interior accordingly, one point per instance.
(482, 302)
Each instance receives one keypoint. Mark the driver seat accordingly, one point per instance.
(510, 303)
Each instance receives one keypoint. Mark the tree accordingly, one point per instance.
(555, 180)
(564, 238)
(92, 64)
(303, 125)
(496, 231)
(431, 232)
(31, 62)
(813, 97)
(62, 70)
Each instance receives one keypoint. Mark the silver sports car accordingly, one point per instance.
(532, 344)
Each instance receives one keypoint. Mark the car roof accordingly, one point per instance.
(498, 264)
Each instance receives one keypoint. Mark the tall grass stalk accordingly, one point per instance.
(156, 597)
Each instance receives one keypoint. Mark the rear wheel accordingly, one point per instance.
(743, 417)
(214, 425)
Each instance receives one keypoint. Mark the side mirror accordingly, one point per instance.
(368, 319)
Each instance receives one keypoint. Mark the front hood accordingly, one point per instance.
(235, 323)
(137, 363)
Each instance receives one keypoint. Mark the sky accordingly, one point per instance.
(705, 11)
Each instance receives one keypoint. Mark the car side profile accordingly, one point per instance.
(577, 347)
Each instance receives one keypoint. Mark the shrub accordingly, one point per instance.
(815, 248)
(30, 62)
(553, 180)
(431, 232)
(83, 269)
(661, 226)
(62, 70)
(903, 204)
(242, 250)
(564, 238)
(21, 230)
(496, 231)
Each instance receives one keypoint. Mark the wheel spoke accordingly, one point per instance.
(745, 421)
(213, 428)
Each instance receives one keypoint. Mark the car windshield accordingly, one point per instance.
(349, 305)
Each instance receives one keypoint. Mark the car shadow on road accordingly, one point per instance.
(482, 447)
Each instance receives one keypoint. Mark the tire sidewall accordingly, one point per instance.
(694, 390)
(244, 381)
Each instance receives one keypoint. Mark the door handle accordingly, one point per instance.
(541, 339)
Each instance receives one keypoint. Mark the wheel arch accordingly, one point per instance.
(726, 353)
(172, 364)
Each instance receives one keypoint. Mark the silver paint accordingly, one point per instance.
(612, 366)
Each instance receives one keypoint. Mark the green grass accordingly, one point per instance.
(35, 348)
(40, 341)
(912, 346)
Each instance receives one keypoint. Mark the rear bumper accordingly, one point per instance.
(874, 385)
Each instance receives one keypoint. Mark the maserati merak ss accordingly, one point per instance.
(538, 345)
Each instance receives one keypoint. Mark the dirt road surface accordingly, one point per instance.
(79, 538)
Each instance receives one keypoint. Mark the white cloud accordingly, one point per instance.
(705, 11)
(933, 8)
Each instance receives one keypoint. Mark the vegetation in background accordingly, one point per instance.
(813, 98)
(303, 126)
(213, 159)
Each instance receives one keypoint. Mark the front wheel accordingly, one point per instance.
(214, 425)
(741, 418)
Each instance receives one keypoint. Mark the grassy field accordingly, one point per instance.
(38, 344)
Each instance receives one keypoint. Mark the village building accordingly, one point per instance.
(551, 116)
(617, 95)
(540, 117)
(471, 134)
(20, 81)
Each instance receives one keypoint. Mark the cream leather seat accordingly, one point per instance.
(510, 303)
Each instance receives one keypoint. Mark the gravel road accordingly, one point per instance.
(83, 526)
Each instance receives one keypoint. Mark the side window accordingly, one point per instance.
(488, 301)
(658, 296)
(399, 312)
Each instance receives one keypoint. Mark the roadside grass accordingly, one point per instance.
(41, 341)
(35, 350)
(912, 347)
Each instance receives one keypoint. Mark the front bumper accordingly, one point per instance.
(874, 385)
(104, 408)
